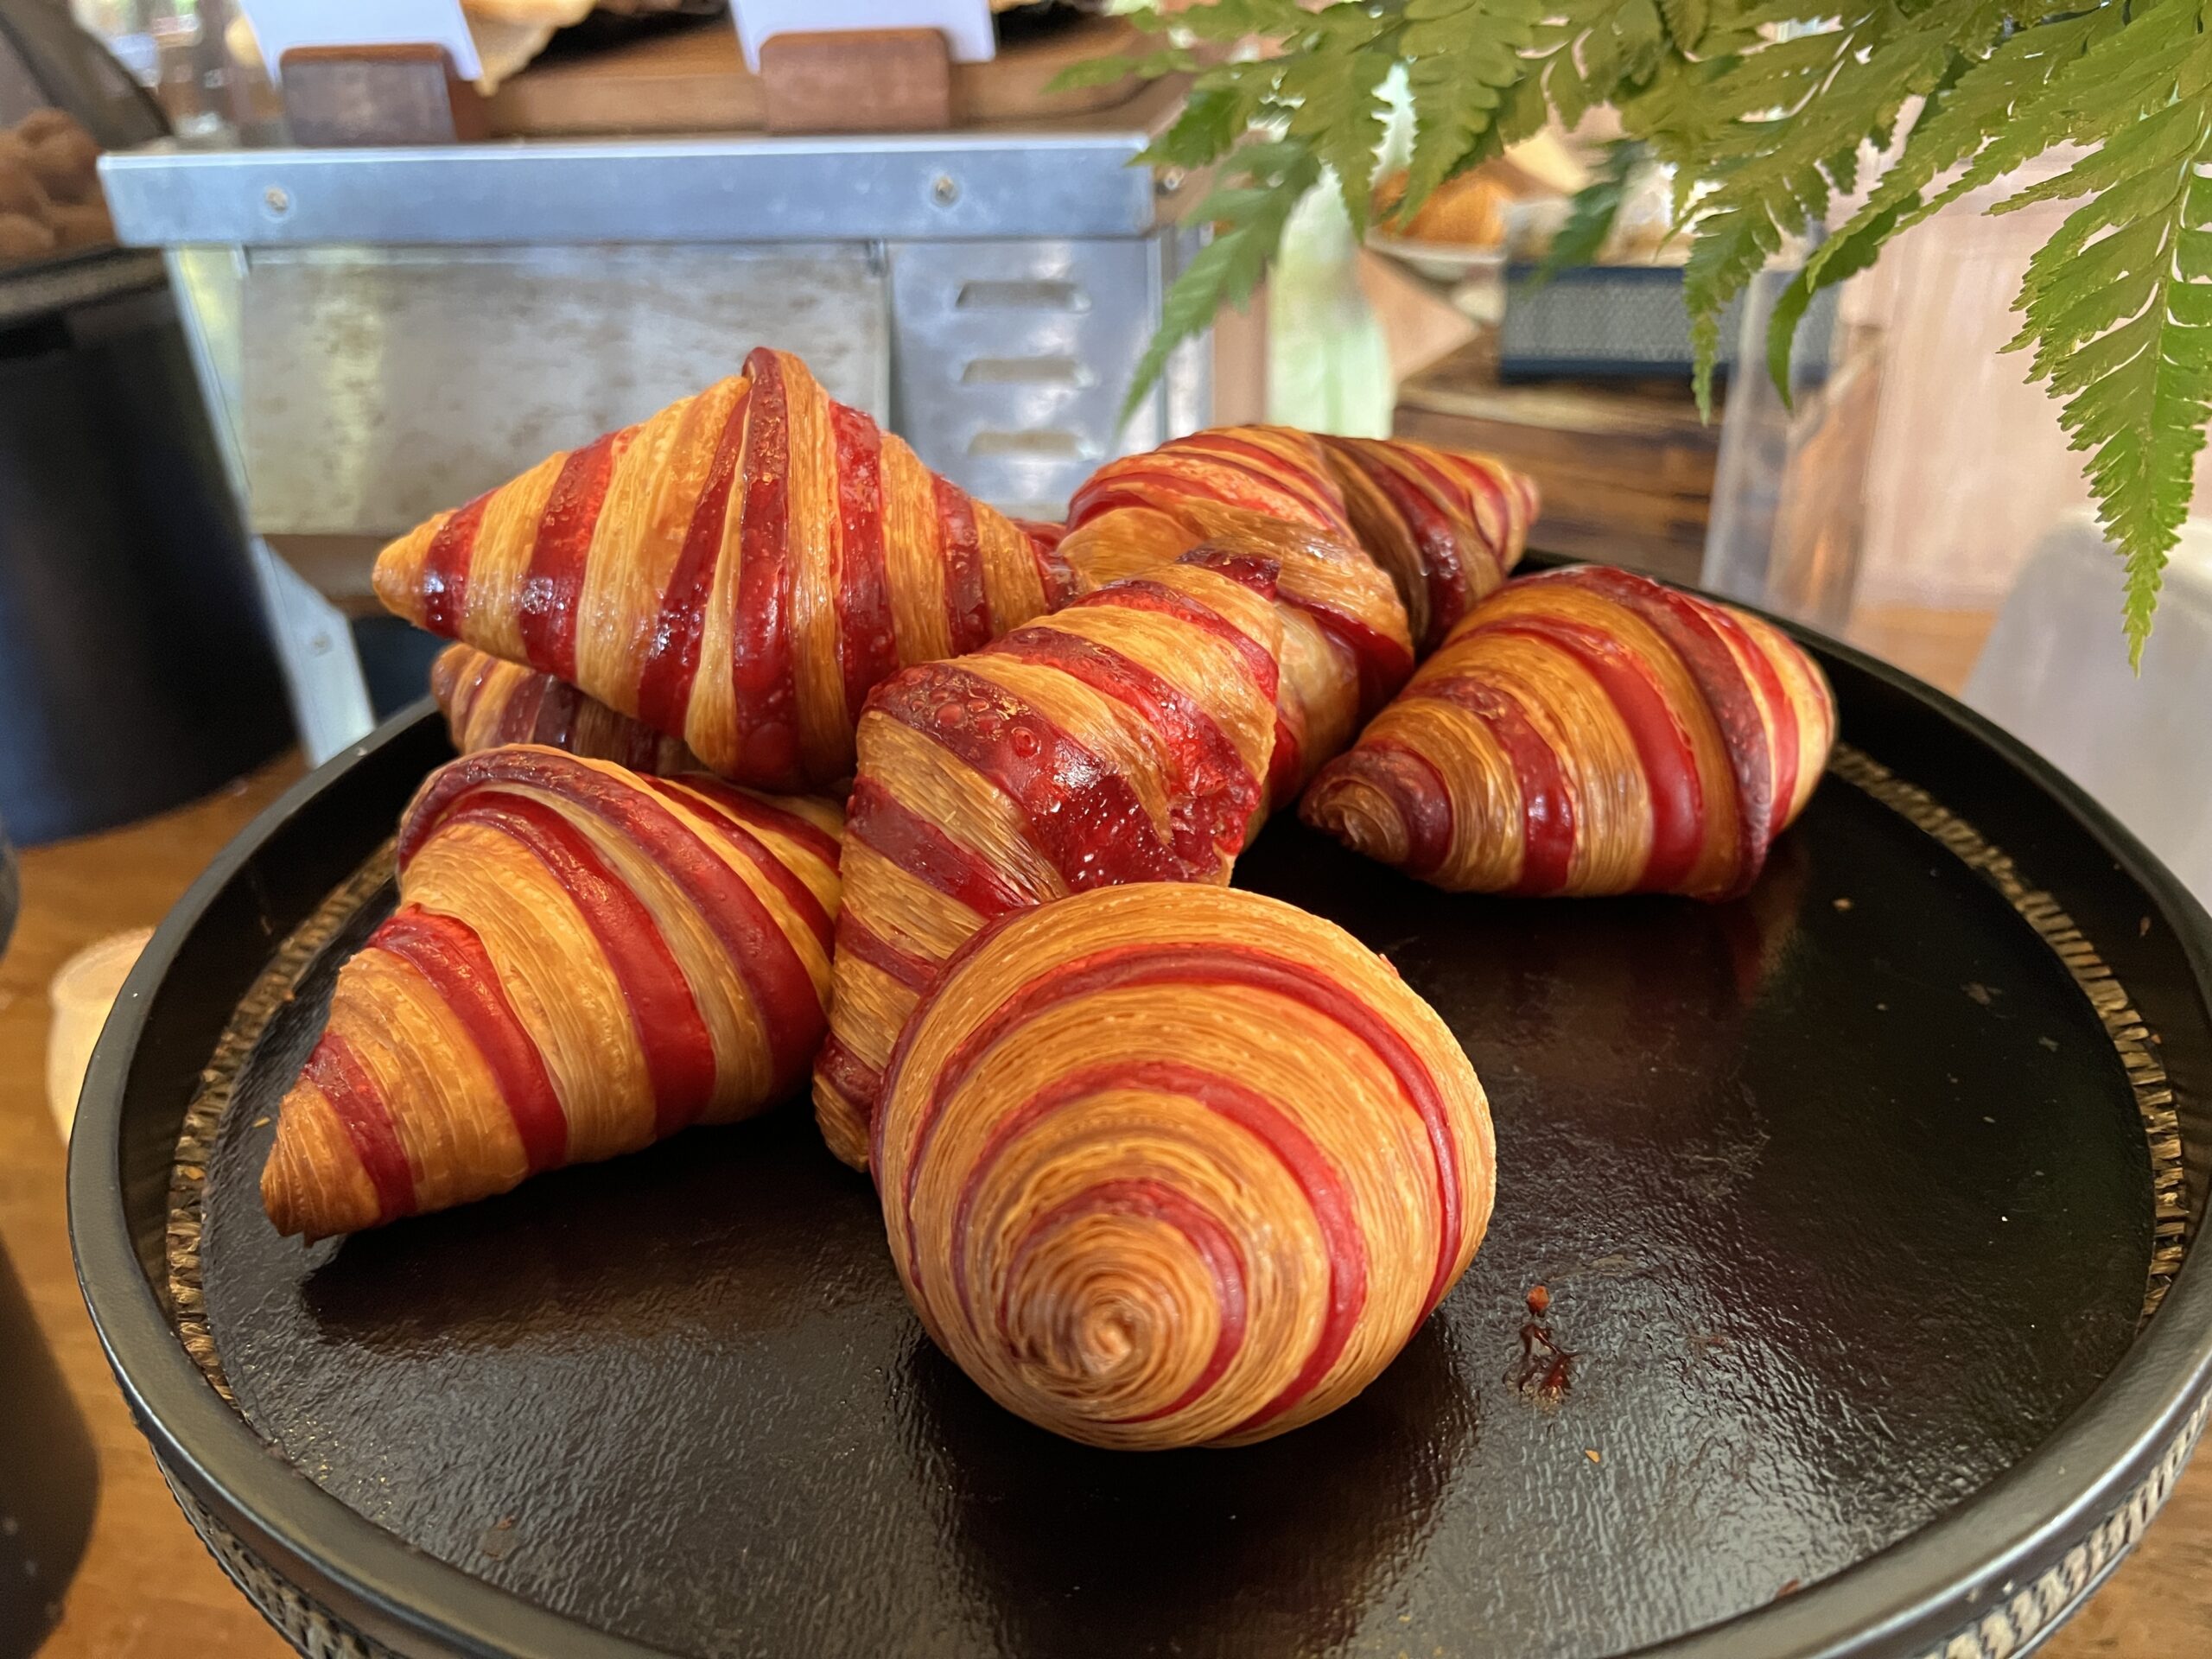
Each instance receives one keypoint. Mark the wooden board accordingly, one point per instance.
(1625, 466)
(695, 81)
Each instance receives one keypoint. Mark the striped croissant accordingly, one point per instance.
(1167, 1166)
(583, 961)
(1447, 525)
(1125, 738)
(738, 572)
(1346, 648)
(1588, 731)
(489, 703)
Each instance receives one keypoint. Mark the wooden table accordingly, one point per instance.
(147, 1590)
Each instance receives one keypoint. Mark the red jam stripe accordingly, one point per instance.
(1162, 962)
(559, 705)
(1783, 734)
(1687, 626)
(1054, 575)
(764, 689)
(1413, 786)
(1323, 502)
(678, 1050)
(363, 1113)
(515, 720)
(1141, 487)
(1143, 593)
(741, 839)
(445, 568)
(547, 612)
(878, 819)
(1081, 812)
(1211, 792)
(755, 813)
(967, 606)
(1285, 762)
(1547, 817)
(672, 648)
(1384, 665)
(1434, 534)
(447, 953)
(1209, 1241)
(867, 643)
(857, 939)
(849, 1077)
(1662, 748)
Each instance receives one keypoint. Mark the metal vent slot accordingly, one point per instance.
(1027, 372)
(1044, 443)
(1027, 295)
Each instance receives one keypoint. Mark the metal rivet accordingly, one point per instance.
(277, 198)
(945, 190)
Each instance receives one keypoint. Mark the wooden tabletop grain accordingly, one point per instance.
(147, 1590)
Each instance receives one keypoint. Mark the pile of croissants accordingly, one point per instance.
(783, 757)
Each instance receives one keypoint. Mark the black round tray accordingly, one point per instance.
(1863, 1203)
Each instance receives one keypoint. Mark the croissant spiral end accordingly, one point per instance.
(1588, 731)
(1169, 1165)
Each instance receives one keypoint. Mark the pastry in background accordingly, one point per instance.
(489, 703)
(50, 199)
(1588, 731)
(1125, 738)
(738, 572)
(1466, 212)
(583, 962)
(1168, 1166)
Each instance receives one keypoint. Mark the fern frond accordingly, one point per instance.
(1249, 222)
(1462, 54)
(2117, 305)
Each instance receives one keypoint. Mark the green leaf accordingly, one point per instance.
(1229, 268)
(1212, 120)
(1340, 111)
(1461, 55)
(1685, 22)
(1590, 212)
(1790, 305)
(2118, 320)
(1093, 72)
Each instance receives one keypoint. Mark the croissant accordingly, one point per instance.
(1446, 524)
(1122, 739)
(1588, 731)
(1346, 648)
(489, 703)
(1167, 1166)
(583, 961)
(737, 571)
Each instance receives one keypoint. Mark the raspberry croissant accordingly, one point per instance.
(1122, 739)
(1346, 648)
(1167, 1166)
(1588, 731)
(583, 961)
(1447, 525)
(737, 571)
(489, 703)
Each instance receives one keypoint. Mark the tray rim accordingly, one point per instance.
(1929, 1586)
